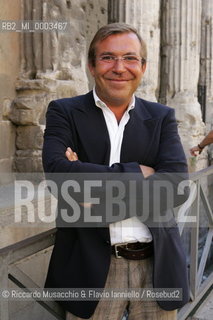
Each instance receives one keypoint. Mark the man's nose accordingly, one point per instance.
(119, 66)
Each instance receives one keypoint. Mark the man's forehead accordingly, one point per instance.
(123, 40)
(129, 35)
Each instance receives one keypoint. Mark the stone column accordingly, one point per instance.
(180, 55)
(206, 61)
(206, 66)
(144, 16)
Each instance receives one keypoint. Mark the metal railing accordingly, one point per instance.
(9, 271)
(198, 285)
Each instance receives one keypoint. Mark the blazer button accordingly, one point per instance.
(107, 242)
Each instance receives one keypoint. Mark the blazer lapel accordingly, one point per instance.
(139, 136)
(92, 132)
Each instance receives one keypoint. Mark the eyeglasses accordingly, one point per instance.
(127, 60)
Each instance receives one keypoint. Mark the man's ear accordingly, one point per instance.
(143, 67)
(91, 68)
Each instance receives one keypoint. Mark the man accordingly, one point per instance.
(109, 130)
(205, 142)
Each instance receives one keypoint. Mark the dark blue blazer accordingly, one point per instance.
(81, 256)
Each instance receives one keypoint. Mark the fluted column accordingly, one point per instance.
(144, 16)
(206, 67)
(206, 61)
(180, 56)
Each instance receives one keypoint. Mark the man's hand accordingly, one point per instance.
(71, 155)
(195, 151)
(147, 171)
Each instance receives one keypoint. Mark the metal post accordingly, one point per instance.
(4, 305)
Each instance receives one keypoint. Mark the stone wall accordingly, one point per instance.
(9, 70)
(53, 66)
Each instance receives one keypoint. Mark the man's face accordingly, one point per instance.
(117, 80)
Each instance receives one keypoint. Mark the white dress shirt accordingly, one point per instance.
(131, 229)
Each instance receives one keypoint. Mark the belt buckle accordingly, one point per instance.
(116, 250)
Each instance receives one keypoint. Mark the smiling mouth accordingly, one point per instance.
(119, 80)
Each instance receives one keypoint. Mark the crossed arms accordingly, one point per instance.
(59, 156)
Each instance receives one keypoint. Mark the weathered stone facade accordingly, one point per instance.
(50, 65)
(9, 69)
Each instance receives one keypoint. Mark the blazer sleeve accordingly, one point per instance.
(170, 156)
(169, 184)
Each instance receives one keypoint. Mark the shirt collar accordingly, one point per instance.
(100, 104)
